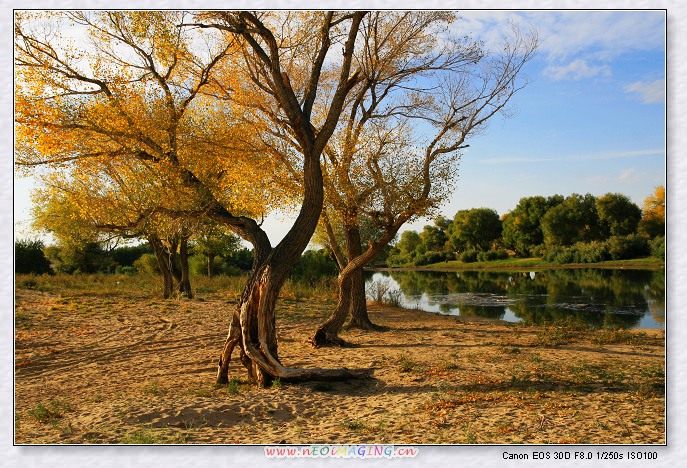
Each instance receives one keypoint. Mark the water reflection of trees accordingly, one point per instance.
(655, 294)
(600, 298)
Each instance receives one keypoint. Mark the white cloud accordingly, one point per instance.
(577, 69)
(563, 34)
(629, 175)
(650, 93)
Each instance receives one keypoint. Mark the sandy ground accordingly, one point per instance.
(107, 369)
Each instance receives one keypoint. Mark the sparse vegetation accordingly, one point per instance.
(457, 379)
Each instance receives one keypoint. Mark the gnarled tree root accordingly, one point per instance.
(321, 338)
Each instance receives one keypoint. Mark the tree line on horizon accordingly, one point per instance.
(573, 229)
(554, 228)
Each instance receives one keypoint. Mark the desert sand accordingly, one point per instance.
(95, 368)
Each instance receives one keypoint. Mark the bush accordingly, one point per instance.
(382, 292)
(658, 247)
(560, 255)
(625, 247)
(538, 251)
(615, 248)
(147, 263)
(591, 253)
(125, 270)
(126, 255)
(469, 256)
(491, 255)
(428, 258)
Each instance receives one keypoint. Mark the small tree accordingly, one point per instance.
(574, 220)
(618, 215)
(476, 229)
(214, 243)
(395, 157)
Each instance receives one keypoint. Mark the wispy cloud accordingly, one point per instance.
(576, 44)
(564, 34)
(629, 175)
(574, 158)
(576, 70)
(649, 92)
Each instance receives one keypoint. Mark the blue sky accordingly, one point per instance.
(592, 120)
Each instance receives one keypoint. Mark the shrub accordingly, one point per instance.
(428, 258)
(491, 255)
(615, 248)
(125, 270)
(624, 247)
(147, 263)
(314, 266)
(658, 247)
(382, 292)
(591, 253)
(469, 256)
(538, 251)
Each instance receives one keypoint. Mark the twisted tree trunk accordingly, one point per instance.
(253, 321)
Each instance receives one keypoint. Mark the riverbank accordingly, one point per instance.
(128, 367)
(531, 264)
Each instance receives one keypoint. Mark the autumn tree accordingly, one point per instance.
(135, 95)
(421, 95)
(107, 203)
(653, 222)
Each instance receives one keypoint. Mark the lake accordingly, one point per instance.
(603, 298)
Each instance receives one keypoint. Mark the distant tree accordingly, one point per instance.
(29, 257)
(126, 255)
(618, 215)
(216, 243)
(653, 222)
(313, 266)
(83, 257)
(432, 239)
(522, 226)
(574, 220)
(404, 250)
(477, 229)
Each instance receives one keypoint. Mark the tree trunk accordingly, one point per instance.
(253, 325)
(352, 300)
(163, 265)
(211, 264)
(359, 316)
(185, 281)
(358, 302)
(327, 333)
